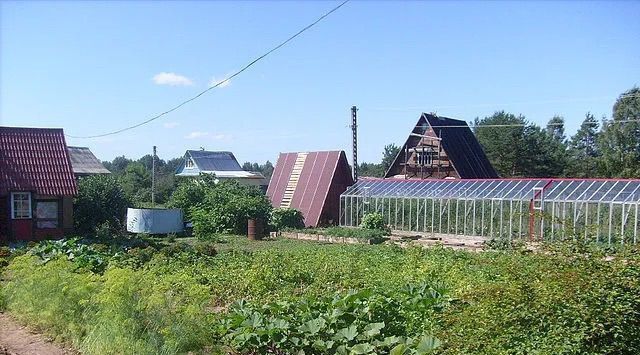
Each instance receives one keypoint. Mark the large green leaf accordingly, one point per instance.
(427, 344)
(349, 333)
(373, 329)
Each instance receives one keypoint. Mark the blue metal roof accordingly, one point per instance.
(214, 161)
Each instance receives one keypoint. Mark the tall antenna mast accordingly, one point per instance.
(354, 136)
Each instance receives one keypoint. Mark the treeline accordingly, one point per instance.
(135, 176)
(605, 148)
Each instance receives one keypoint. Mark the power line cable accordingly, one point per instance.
(413, 108)
(221, 82)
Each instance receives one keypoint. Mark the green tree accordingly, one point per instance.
(226, 208)
(190, 193)
(543, 154)
(555, 128)
(100, 200)
(370, 170)
(583, 149)
(504, 146)
(388, 156)
(265, 169)
(136, 182)
(118, 165)
(619, 141)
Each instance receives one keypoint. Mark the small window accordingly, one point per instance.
(189, 164)
(20, 205)
(47, 214)
(425, 158)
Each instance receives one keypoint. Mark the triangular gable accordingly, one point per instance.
(460, 150)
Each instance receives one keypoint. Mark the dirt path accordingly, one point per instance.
(18, 340)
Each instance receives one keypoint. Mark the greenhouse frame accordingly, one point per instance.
(601, 210)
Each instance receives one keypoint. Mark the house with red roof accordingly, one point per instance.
(37, 184)
(311, 182)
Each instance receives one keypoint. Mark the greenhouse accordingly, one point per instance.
(602, 210)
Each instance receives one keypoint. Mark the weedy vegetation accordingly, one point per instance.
(287, 296)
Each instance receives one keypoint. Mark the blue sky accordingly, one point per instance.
(93, 67)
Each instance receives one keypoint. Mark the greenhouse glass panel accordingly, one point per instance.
(550, 209)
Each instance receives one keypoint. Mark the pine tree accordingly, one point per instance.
(583, 149)
(619, 142)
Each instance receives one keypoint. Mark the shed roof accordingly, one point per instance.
(463, 148)
(35, 159)
(320, 181)
(84, 162)
(214, 161)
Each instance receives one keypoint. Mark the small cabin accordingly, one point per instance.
(37, 184)
(224, 165)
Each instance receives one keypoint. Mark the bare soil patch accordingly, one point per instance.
(16, 339)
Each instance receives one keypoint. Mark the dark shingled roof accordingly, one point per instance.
(462, 147)
(458, 142)
(85, 163)
(37, 160)
(214, 161)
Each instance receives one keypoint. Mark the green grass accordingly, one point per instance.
(177, 299)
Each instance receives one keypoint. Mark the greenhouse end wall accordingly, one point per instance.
(538, 209)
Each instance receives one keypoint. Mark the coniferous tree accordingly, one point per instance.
(583, 149)
(619, 142)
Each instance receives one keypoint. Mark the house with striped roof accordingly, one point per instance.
(37, 184)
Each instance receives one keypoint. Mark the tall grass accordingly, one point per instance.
(504, 302)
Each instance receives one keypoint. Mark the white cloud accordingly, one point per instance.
(215, 80)
(211, 136)
(171, 124)
(196, 134)
(222, 137)
(172, 79)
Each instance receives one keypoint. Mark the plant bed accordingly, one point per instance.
(338, 235)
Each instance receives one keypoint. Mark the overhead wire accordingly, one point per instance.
(413, 108)
(247, 66)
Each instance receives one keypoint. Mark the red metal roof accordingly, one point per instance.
(324, 176)
(37, 160)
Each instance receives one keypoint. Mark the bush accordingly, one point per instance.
(373, 220)
(283, 218)
(100, 201)
(206, 248)
(227, 207)
(190, 193)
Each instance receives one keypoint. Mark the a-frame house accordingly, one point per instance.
(439, 148)
(311, 182)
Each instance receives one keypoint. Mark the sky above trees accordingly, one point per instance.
(91, 67)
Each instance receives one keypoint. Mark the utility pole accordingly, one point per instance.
(153, 177)
(354, 136)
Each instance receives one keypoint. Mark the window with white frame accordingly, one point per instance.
(20, 205)
(189, 164)
(424, 158)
